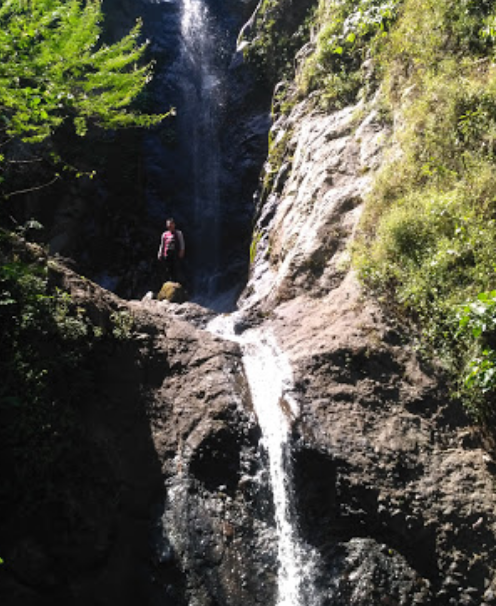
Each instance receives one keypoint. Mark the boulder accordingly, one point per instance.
(173, 292)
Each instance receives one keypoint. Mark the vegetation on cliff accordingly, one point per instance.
(57, 81)
(56, 78)
(48, 343)
(349, 33)
(429, 227)
(61, 492)
(278, 30)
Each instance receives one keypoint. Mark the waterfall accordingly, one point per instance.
(269, 375)
(270, 379)
(201, 167)
(199, 113)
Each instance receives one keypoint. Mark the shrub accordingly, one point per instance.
(477, 332)
(46, 369)
(348, 31)
(279, 30)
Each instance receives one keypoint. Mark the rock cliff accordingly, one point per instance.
(393, 489)
(174, 506)
(389, 474)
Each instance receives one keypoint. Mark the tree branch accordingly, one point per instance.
(25, 161)
(31, 189)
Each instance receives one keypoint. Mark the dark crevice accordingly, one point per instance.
(332, 508)
(216, 462)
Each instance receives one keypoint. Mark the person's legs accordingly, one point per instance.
(164, 271)
(176, 270)
(171, 262)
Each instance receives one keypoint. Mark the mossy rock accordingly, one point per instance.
(173, 292)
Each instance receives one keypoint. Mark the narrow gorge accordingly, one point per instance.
(280, 439)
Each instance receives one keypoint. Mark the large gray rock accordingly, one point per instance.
(175, 509)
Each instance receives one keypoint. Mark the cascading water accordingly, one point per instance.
(268, 375)
(202, 166)
(199, 115)
(197, 78)
(270, 378)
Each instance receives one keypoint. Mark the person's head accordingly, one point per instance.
(171, 224)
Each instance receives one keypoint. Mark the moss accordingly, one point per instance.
(279, 153)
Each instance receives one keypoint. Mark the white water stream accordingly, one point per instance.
(267, 368)
(270, 378)
(203, 93)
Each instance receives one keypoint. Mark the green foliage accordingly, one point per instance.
(477, 330)
(58, 83)
(34, 424)
(348, 32)
(429, 234)
(479, 317)
(53, 68)
(278, 154)
(281, 28)
(122, 325)
(48, 343)
(254, 246)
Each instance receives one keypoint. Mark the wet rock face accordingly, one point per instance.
(363, 573)
(215, 514)
(367, 468)
(308, 216)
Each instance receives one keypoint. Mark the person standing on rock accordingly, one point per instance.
(171, 251)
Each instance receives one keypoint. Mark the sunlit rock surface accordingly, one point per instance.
(393, 486)
(173, 292)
